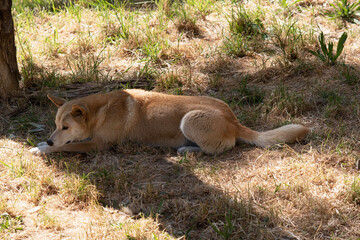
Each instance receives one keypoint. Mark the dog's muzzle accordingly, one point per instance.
(50, 142)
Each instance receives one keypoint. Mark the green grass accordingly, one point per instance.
(354, 191)
(10, 224)
(286, 103)
(246, 32)
(228, 228)
(289, 38)
(333, 103)
(349, 75)
(345, 9)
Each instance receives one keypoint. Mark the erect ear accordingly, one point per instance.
(78, 111)
(56, 100)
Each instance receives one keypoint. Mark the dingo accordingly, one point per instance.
(187, 123)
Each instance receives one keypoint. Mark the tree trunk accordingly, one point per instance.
(9, 72)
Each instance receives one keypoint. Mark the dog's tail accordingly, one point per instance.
(285, 134)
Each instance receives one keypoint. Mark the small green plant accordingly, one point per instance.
(9, 223)
(87, 67)
(124, 31)
(246, 32)
(78, 188)
(170, 81)
(289, 38)
(327, 55)
(202, 7)
(284, 102)
(344, 9)
(216, 81)
(331, 97)
(332, 102)
(228, 226)
(350, 76)
(185, 20)
(354, 190)
(236, 46)
(250, 95)
(286, 4)
(54, 46)
(245, 24)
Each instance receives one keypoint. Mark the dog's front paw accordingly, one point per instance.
(42, 144)
(42, 147)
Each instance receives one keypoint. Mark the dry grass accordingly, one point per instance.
(303, 191)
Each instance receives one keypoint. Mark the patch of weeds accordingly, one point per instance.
(32, 74)
(284, 102)
(3, 202)
(185, 19)
(87, 68)
(78, 188)
(156, 210)
(344, 9)
(349, 75)
(20, 166)
(148, 73)
(354, 191)
(47, 221)
(117, 29)
(29, 69)
(85, 44)
(33, 191)
(38, 5)
(9, 223)
(25, 124)
(287, 4)
(326, 54)
(355, 105)
(228, 227)
(54, 47)
(152, 48)
(245, 23)
(216, 81)
(169, 81)
(147, 41)
(75, 10)
(330, 97)
(247, 32)
(203, 7)
(289, 38)
(250, 95)
(15, 170)
(236, 46)
(247, 101)
(124, 21)
(333, 103)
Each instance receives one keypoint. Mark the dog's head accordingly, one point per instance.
(71, 122)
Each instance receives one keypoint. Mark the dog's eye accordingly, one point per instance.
(64, 127)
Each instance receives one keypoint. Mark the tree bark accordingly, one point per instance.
(9, 72)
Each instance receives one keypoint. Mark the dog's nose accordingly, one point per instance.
(49, 142)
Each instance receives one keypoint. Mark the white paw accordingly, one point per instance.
(41, 144)
(188, 149)
(42, 147)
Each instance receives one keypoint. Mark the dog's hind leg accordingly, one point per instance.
(209, 129)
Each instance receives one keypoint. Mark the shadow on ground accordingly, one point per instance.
(156, 182)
